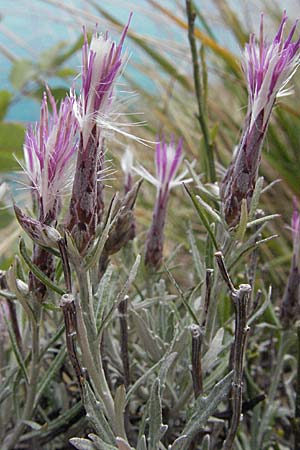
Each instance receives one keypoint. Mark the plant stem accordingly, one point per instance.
(196, 359)
(92, 361)
(240, 298)
(124, 340)
(65, 264)
(191, 15)
(69, 311)
(207, 296)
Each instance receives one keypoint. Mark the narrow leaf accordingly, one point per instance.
(54, 367)
(119, 403)
(38, 272)
(95, 414)
(155, 416)
(15, 347)
(202, 216)
(206, 406)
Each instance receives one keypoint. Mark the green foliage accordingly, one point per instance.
(11, 143)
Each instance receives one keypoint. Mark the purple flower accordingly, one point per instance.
(290, 305)
(267, 67)
(168, 159)
(102, 63)
(48, 150)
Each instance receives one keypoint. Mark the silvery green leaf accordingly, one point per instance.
(181, 341)
(209, 190)
(156, 428)
(166, 364)
(206, 406)
(95, 444)
(33, 425)
(49, 374)
(198, 264)
(139, 382)
(122, 293)
(213, 351)
(142, 443)
(202, 213)
(262, 220)
(242, 226)
(99, 444)
(249, 246)
(206, 442)
(103, 292)
(82, 444)
(211, 212)
(262, 308)
(122, 444)
(147, 337)
(95, 414)
(15, 347)
(178, 444)
(256, 196)
(4, 393)
(37, 271)
(119, 403)
(93, 257)
(73, 252)
(11, 279)
(216, 374)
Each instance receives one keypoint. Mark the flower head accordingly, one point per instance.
(48, 151)
(102, 63)
(168, 158)
(268, 66)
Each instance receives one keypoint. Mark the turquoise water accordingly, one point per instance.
(28, 28)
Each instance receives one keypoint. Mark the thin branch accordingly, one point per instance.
(122, 308)
(65, 264)
(240, 298)
(224, 272)
(208, 288)
(69, 311)
(196, 359)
